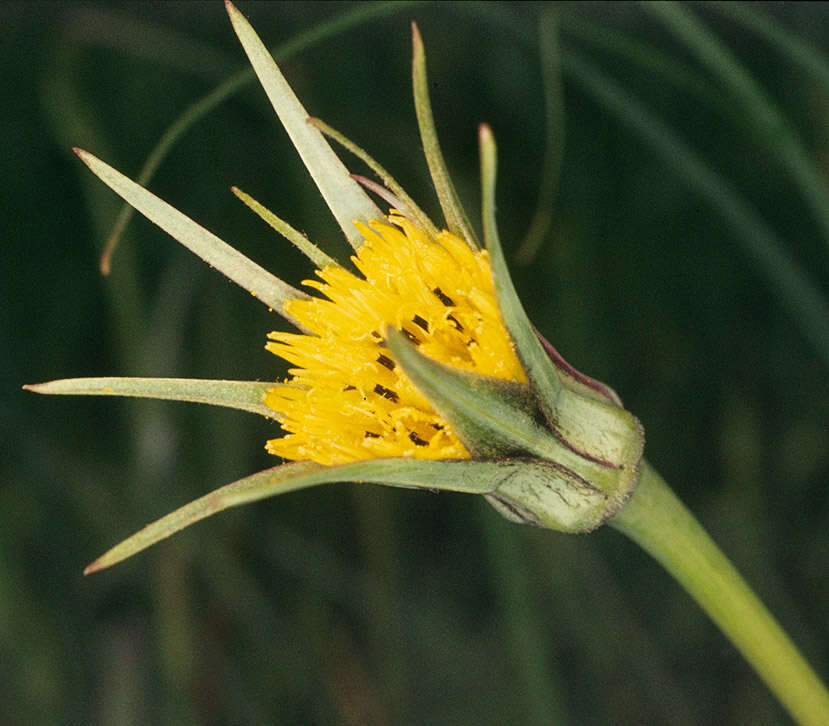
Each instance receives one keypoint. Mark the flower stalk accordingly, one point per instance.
(662, 525)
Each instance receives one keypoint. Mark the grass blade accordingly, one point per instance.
(772, 129)
(790, 46)
(794, 290)
(549, 51)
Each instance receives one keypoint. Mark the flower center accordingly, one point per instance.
(347, 399)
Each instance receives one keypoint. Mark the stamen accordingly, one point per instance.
(417, 320)
(385, 361)
(386, 393)
(344, 420)
(443, 297)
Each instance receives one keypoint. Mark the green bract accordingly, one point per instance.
(559, 452)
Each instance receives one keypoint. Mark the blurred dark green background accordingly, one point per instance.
(347, 605)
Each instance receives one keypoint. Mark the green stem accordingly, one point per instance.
(656, 520)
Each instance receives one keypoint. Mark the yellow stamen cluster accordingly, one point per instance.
(347, 399)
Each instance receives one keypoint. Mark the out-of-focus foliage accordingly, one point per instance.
(368, 606)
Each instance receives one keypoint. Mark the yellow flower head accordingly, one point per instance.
(348, 399)
(421, 371)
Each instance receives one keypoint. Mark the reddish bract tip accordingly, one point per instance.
(417, 40)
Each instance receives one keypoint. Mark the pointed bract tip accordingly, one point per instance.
(235, 15)
(239, 194)
(385, 194)
(417, 40)
(87, 158)
(39, 387)
(93, 567)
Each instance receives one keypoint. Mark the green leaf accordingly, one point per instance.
(230, 262)
(243, 395)
(506, 479)
(344, 197)
(453, 211)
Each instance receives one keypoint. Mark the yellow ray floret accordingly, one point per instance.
(348, 400)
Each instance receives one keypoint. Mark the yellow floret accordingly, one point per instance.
(348, 400)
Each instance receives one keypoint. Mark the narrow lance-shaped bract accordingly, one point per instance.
(344, 197)
(447, 385)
